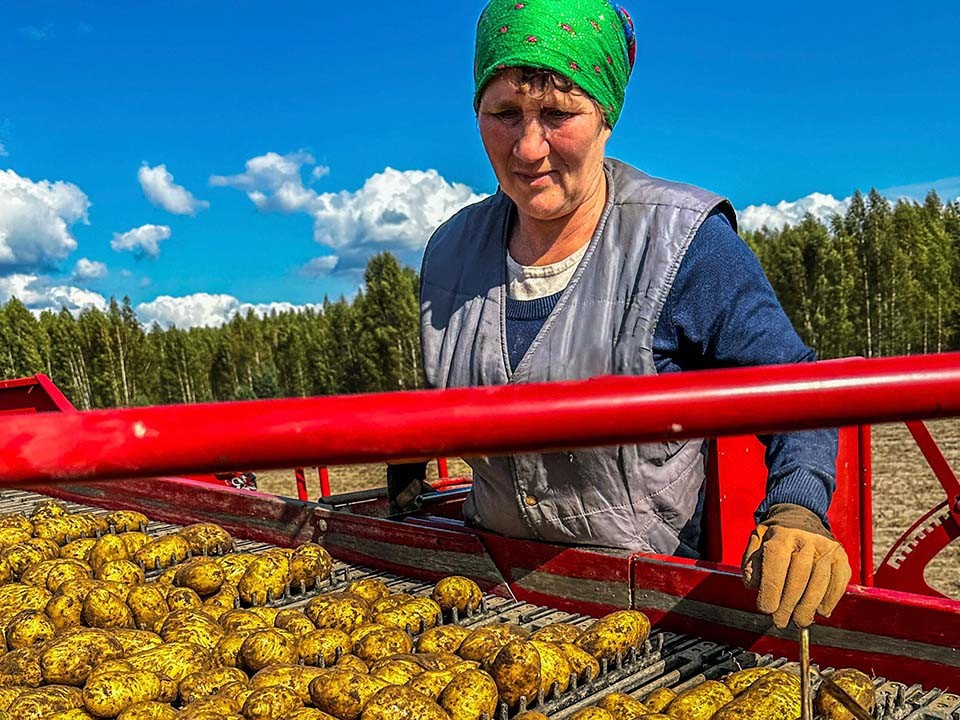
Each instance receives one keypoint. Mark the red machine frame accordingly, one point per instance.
(912, 636)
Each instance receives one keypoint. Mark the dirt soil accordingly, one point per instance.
(904, 488)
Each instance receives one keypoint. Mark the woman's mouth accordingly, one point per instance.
(534, 179)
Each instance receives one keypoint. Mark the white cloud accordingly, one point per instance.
(144, 240)
(320, 171)
(39, 293)
(3, 150)
(319, 266)
(394, 210)
(204, 309)
(89, 269)
(821, 206)
(35, 220)
(947, 188)
(158, 186)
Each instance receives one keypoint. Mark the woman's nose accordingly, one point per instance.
(532, 145)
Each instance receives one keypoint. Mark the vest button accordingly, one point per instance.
(530, 500)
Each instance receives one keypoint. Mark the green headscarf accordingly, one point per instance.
(589, 41)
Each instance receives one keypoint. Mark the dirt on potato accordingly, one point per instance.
(904, 487)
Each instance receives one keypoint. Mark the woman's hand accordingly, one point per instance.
(797, 565)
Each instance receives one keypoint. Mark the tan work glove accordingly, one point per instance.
(797, 565)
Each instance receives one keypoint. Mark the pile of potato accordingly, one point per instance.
(759, 693)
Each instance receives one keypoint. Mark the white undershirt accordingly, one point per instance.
(529, 282)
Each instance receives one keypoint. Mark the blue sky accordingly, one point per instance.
(762, 102)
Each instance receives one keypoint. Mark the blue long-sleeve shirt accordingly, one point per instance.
(722, 312)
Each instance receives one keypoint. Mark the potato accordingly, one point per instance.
(352, 662)
(203, 575)
(516, 670)
(323, 647)
(344, 693)
(123, 521)
(469, 695)
(37, 573)
(583, 664)
(124, 572)
(191, 626)
(227, 651)
(69, 658)
(29, 628)
(62, 530)
(268, 614)
(16, 520)
(700, 702)
(554, 667)
(370, 589)
(21, 667)
(72, 714)
(107, 549)
(133, 541)
(163, 552)
(396, 671)
(147, 604)
(228, 597)
(444, 638)
(242, 620)
(207, 539)
(149, 710)
(208, 682)
(10, 536)
(742, 679)
(294, 621)
(615, 634)
(65, 608)
(183, 598)
(66, 570)
(774, 695)
(78, 549)
(306, 714)
(432, 682)
(46, 701)
(659, 699)
(234, 566)
(176, 660)
(103, 609)
(346, 612)
(46, 509)
(396, 702)
(265, 579)
(292, 677)
(557, 633)
(309, 564)
(267, 647)
(9, 693)
(623, 707)
(134, 641)
(111, 666)
(457, 592)
(16, 597)
(270, 703)
(481, 641)
(592, 713)
(390, 602)
(381, 643)
(857, 685)
(428, 610)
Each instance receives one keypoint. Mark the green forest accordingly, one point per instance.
(882, 279)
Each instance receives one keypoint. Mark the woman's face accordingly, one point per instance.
(547, 151)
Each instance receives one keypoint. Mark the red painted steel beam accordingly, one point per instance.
(514, 418)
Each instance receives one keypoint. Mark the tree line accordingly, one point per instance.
(881, 279)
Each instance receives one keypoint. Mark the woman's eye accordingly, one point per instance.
(507, 115)
(557, 115)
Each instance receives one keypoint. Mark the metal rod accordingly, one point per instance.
(145, 442)
(806, 689)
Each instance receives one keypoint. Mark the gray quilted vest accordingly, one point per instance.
(634, 497)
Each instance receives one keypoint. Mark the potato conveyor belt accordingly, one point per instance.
(666, 659)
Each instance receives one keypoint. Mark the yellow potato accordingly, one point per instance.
(370, 589)
(346, 612)
(270, 703)
(121, 571)
(21, 667)
(202, 575)
(46, 701)
(209, 682)
(176, 660)
(70, 657)
(858, 686)
(432, 682)
(147, 604)
(227, 651)
(72, 714)
(242, 620)
(66, 571)
(445, 638)
(9, 693)
(554, 667)
(309, 564)
(530, 715)
(103, 609)
(557, 633)
(306, 713)
(234, 566)
(207, 539)
(483, 640)
(396, 671)
(516, 670)
(269, 614)
(659, 699)
(16, 520)
(122, 521)
(163, 552)
(344, 693)
(426, 609)
(134, 641)
(623, 707)
(457, 592)
(192, 626)
(294, 621)
(183, 598)
(46, 509)
(10, 536)
(742, 679)
(700, 702)
(29, 628)
(227, 598)
(323, 647)
(382, 643)
(107, 549)
(592, 713)
(265, 579)
(133, 541)
(21, 556)
(149, 710)
(353, 663)
(615, 634)
(775, 695)
(267, 647)
(108, 694)
(583, 664)
(395, 702)
(78, 549)
(469, 695)
(292, 677)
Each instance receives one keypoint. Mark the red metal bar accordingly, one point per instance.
(302, 493)
(866, 507)
(324, 474)
(512, 418)
(442, 467)
(938, 463)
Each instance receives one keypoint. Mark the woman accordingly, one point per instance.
(581, 266)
